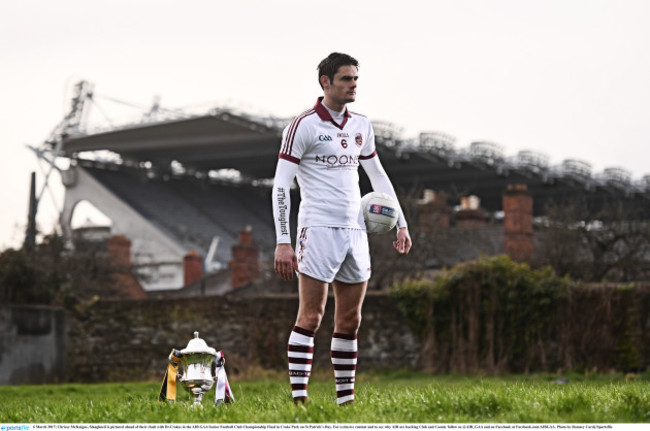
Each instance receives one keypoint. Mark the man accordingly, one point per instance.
(323, 147)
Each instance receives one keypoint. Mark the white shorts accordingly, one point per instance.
(333, 253)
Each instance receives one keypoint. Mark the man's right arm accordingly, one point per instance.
(285, 258)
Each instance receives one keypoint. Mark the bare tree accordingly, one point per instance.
(611, 244)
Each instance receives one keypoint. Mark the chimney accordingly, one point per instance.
(119, 253)
(518, 223)
(192, 267)
(244, 265)
(471, 214)
(433, 211)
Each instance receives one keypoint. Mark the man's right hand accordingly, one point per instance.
(286, 261)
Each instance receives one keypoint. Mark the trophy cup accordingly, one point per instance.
(198, 367)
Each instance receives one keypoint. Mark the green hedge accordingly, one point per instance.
(497, 315)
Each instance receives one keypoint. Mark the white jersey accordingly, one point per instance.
(328, 155)
(325, 156)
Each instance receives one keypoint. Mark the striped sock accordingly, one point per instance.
(300, 352)
(344, 359)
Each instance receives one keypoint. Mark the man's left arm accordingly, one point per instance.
(381, 183)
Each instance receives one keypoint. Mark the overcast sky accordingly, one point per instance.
(568, 78)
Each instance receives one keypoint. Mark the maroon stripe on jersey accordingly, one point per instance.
(344, 336)
(292, 134)
(305, 332)
(368, 157)
(302, 349)
(303, 361)
(289, 158)
(299, 373)
(345, 367)
(345, 393)
(343, 355)
(344, 380)
(298, 386)
(285, 145)
(292, 131)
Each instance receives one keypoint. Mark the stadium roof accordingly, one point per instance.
(201, 143)
(223, 140)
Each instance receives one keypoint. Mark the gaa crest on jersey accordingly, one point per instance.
(358, 138)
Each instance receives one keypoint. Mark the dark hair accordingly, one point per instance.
(330, 65)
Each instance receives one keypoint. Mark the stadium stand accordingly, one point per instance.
(193, 211)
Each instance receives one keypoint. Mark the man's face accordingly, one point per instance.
(342, 89)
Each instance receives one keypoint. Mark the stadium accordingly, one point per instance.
(183, 185)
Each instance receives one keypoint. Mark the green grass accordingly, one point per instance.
(400, 397)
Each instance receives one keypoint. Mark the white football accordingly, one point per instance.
(379, 212)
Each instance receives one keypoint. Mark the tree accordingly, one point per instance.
(611, 244)
(50, 274)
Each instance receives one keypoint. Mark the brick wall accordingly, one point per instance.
(130, 340)
(607, 328)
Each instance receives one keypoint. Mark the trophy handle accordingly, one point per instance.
(175, 360)
(214, 368)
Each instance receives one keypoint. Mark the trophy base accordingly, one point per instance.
(197, 398)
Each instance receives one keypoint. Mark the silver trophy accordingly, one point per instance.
(199, 366)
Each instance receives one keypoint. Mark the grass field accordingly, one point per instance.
(400, 397)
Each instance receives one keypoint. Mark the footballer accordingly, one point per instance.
(323, 148)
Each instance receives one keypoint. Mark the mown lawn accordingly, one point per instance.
(400, 397)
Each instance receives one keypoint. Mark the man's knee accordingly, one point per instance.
(310, 319)
(350, 322)
(313, 296)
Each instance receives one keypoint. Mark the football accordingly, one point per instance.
(379, 212)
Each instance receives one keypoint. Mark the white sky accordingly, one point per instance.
(568, 78)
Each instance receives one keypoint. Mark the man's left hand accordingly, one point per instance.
(403, 242)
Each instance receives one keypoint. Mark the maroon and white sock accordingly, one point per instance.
(344, 359)
(300, 352)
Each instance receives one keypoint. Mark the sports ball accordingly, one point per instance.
(379, 212)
